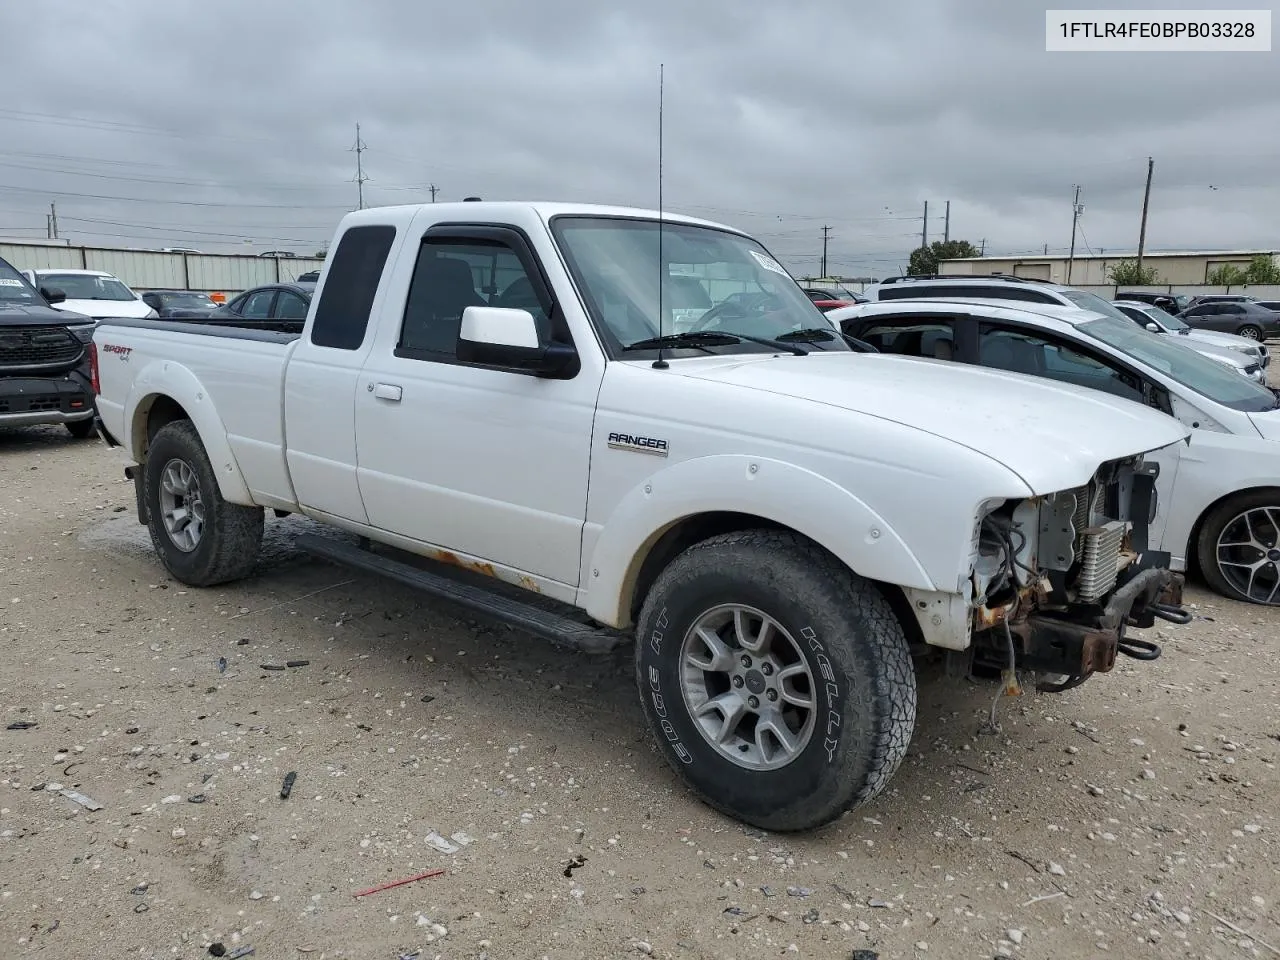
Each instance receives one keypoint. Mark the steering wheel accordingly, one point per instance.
(758, 306)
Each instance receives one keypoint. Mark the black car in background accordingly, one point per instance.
(276, 306)
(1173, 303)
(45, 372)
(1244, 318)
(179, 304)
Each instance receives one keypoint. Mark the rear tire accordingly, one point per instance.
(831, 641)
(1249, 525)
(1250, 332)
(81, 429)
(201, 539)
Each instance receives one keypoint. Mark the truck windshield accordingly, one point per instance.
(692, 279)
(86, 286)
(1209, 378)
(14, 287)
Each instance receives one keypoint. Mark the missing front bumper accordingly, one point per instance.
(1078, 648)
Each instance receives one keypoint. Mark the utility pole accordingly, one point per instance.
(359, 150)
(1075, 220)
(826, 235)
(924, 232)
(1046, 249)
(946, 224)
(1146, 199)
(52, 221)
(982, 247)
(434, 190)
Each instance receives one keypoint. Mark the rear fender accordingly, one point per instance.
(164, 378)
(775, 491)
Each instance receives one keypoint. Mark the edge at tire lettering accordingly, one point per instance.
(834, 721)
(659, 702)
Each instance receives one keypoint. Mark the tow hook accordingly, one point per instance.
(1171, 613)
(1138, 649)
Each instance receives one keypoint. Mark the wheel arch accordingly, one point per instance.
(704, 497)
(167, 392)
(666, 545)
(1193, 550)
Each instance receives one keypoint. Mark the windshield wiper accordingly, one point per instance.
(710, 338)
(823, 335)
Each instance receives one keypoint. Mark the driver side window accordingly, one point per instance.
(451, 275)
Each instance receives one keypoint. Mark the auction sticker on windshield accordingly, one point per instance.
(6, 282)
(768, 263)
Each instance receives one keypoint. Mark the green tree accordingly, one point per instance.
(924, 260)
(1127, 273)
(1262, 269)
(1227, 275)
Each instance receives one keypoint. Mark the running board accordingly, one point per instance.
(548, 624)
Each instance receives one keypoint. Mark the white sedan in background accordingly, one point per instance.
(91, 292)
(1218, 506)
(1212, 343)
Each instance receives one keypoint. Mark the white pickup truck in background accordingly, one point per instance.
(488, 399)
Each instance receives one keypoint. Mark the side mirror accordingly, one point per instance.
(1153, 327)
(508, 338)
(53, 295)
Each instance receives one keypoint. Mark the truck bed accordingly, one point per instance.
(280, 331)
(228, 379)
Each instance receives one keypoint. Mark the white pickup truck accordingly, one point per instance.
(489, 400)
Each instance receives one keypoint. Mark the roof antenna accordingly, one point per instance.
(660, 363)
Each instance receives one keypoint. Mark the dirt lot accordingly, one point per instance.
(1116, 819)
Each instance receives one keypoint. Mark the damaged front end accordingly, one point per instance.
(1056, 580)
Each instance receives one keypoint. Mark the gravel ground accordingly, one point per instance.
(1133, 817)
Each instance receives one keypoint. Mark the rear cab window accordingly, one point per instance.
(355, 272)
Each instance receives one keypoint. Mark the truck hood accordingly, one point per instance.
(1051, 435)
(35, 315)
(102, 309)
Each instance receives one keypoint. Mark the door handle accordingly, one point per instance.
(387, 391)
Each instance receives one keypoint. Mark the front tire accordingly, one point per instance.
(81, 429)
(201, 539)
(778, 683)
(1239, 548)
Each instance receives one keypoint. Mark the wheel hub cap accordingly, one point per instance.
(1249, 554)
(181, 505)
(748, 687)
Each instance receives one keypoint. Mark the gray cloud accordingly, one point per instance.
(216, 122)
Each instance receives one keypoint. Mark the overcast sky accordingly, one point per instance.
(203, 123)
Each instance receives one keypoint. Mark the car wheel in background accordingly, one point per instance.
(1239, 547)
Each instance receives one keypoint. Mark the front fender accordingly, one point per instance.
(164, 378)
(770, 489)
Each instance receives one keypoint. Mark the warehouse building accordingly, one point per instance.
(1175, 269)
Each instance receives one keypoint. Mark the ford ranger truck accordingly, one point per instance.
(492, 402)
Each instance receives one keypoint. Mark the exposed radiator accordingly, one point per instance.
(1100, 559)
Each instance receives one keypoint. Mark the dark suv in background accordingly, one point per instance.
(44, 358)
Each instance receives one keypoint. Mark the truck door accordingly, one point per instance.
(462, 457)
(320, 378)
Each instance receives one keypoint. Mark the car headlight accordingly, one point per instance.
(83, 332)
(151, 314)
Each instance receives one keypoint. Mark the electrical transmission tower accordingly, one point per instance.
(359, 150)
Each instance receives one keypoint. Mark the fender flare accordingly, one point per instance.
(165, 378)
(759, 486)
